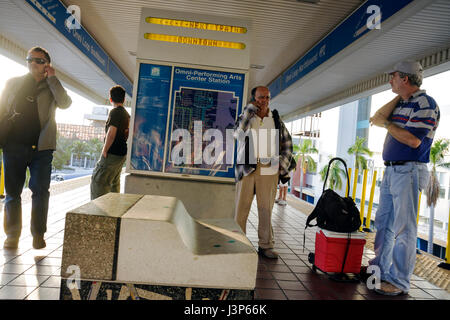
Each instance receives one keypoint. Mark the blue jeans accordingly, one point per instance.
(396, 224)
(16, 159)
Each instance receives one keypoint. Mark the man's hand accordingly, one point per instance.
(49, 70)
(252, 107)
(380, 117)
(378, 120)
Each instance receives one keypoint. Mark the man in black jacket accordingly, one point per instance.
(30, 143)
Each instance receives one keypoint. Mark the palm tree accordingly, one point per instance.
(79, 148)
(437, 153)
(62, 154)
(95, 148)
(359, 150)
(334, 176)
(303, 151)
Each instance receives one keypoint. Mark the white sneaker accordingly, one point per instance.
(277, 200)
(282, 203)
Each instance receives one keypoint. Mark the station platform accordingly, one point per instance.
(28, 274)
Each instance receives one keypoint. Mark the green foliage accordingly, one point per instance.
(95, 147)
(302, 152)
(438, 151)
(80, 148)
(335, 176)
(61, 156)
(360, 150)
(65, 147)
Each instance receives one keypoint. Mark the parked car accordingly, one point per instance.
(57, 177)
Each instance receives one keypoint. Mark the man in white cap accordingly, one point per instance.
(411, 120)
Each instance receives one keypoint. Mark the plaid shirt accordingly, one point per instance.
(285, 157)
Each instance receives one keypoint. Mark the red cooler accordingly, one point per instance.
(331, 247)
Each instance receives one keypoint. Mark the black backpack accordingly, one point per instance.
(333, 212)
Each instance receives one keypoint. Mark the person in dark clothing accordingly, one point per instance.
(30, 143)
(106, 175)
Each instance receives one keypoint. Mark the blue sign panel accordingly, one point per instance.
(362, 21)
(56, 14)
(275, 87)
(184, 121)
(204, 108)
(150, 119)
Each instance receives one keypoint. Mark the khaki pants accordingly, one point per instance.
(265, 188)
(106, 175)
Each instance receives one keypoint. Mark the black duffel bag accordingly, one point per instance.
(333, 212)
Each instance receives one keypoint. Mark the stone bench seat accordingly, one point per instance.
(153, 240)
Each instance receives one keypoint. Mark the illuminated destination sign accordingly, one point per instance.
(196, 25)
(195, 41)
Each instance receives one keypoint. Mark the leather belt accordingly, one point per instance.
(395, 163)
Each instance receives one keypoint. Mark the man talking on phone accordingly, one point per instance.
(30, 143)
(261, 163)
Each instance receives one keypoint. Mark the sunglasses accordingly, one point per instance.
(37, 60)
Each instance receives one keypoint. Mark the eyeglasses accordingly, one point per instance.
(264, 97)
(37, 60)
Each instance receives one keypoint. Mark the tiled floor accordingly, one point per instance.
(34, 274)
(291, 277)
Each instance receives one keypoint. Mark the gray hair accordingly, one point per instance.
(413, 79)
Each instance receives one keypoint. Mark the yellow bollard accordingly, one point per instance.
(418, 207)
(2, 183)
(372, 191)
(349, 179)
(355, 184)
(363, 198)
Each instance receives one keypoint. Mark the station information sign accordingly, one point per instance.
(183, 121)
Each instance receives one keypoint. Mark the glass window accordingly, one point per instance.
(442, 177)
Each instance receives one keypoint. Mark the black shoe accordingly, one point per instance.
(11, 243)
(39, 242)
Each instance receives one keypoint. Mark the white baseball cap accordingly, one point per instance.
(408, 66)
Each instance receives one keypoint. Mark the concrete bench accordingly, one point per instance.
(127, 246)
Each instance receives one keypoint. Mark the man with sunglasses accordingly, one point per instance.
(33, 98)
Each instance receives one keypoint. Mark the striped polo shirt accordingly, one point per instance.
(419, 115)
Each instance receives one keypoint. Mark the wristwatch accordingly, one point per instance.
(386, 124)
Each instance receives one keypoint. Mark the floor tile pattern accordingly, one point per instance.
(35, 274)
